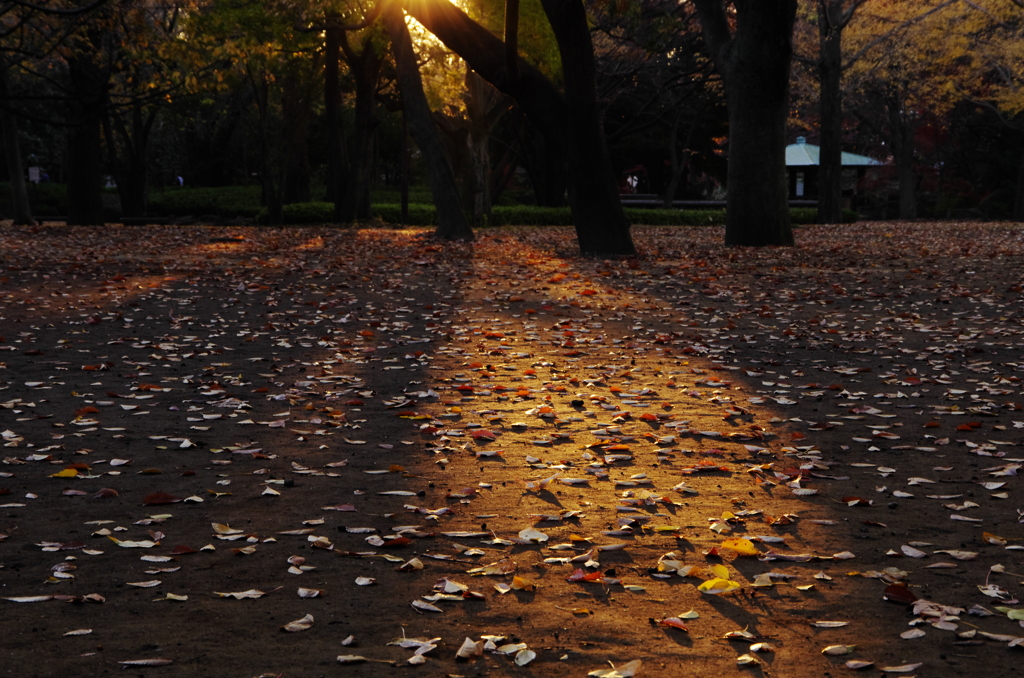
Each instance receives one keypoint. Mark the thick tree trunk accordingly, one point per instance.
(755, 66)
(601, 226)
(22, 211)
(85, 174)
(570, 125)
(452, 224)
(484, 107)
(830, 163)
(295, 107)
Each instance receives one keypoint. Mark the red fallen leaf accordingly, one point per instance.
(580, 575)
(395, 543)
(4, 490)
(483, 434)
(355, 403)
(78, 466)
(182, 550)
(673, 622)
(464, 387)
(932, 424)
(159, 498)
(588, 293)
(647, 416)
(712, 552)
(261, 389)
(855, 501)
(150, 387)
(105, 493)
(899, 593)
(969, 426)
(82, 411)
(33, 351)
(796, 435)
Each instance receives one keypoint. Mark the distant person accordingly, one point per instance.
(181, 181)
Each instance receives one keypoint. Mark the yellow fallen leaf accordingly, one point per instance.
(520, 584)
(741, 546)
(66, 473)
(718, 585)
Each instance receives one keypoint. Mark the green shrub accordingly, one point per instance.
(425, 214)
(45, 200)
(224, 201)
(809, 215)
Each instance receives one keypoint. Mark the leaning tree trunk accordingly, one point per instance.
(451, 220)
(566, 121)
(830, 163)
(755, 66)
(601, 226)
(12, 154)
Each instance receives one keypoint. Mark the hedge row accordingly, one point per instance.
(243, 201)
(223, 201)
(529, 215)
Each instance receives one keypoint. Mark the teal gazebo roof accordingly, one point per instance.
(802, 154)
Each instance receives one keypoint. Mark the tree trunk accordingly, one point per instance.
(678, 164)
(1018, 202)
(571, 125)
(601, 226)
(452, 224)
(902, 139)
(830, 163)
(129, 158)
(336, 164)
(12, 154)
(365, 69)
(755, 66)
(295, 106)
(85, 173)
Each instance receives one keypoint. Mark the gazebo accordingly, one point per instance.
(802, 168)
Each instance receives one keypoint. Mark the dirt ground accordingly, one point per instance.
(203, 425)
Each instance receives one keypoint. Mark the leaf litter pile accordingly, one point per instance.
(313, 451)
